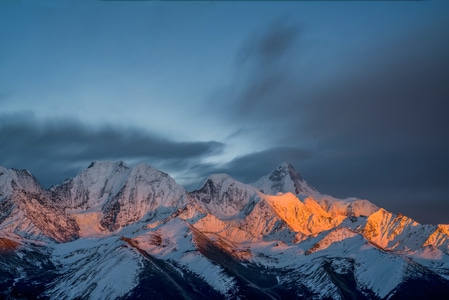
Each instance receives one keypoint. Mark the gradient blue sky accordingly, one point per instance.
(353, 93)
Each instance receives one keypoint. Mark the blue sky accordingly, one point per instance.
(352, 93)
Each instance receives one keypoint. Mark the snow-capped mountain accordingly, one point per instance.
(28, 210)
(119, 232)
(284, 179)
(110, 195)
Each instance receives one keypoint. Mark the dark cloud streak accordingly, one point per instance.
(270, 46)
(248, 168)
(51, 148)
(262, 60)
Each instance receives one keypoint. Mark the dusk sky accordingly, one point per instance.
(354, 94)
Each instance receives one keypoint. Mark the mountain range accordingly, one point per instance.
(120, 232)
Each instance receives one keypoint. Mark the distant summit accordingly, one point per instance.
(284, 179)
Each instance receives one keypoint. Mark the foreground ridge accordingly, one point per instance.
(115, 231)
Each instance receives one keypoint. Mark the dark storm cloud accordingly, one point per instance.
(397, 102)
(52, 149)
(378, 131)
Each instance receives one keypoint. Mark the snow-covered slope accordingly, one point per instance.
(400, 233)
(225, 197)
(110, 195)
(305, 217)
(28, 210)
(350, 207)
(284, 179)
(119, 232)
(92, 188)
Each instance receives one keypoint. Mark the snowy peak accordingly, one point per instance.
(93, 187)
(26, 180)
(335, 236)
(146, 193)
(109, 195)
(225, 197)
(27, 209)
(307, 218)
(282, 180)
(350, 207)
(286, 179)
(439, 238)
(397, 232)
(17, 179)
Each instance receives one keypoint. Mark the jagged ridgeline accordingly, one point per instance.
(120, 232)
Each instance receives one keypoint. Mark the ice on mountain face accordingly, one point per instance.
(5, 182)
(286, 179)
(226, 198)
(280, 217)
(433, 259)
(439, 238)
(265, 224)
(146, 193)
(379, 271)
(319, 282)
(395, 232)
(93, 187)
(89, 224)
(174, 242)
(11, 179)
(94, 268)
(211, 273)
(27, 209)
(283, 179)
(232, 232)
(351, 207)
(424, 243)
(343, 235)
(429, 253)
(307, 218)
(374, 270)
(108, 196)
